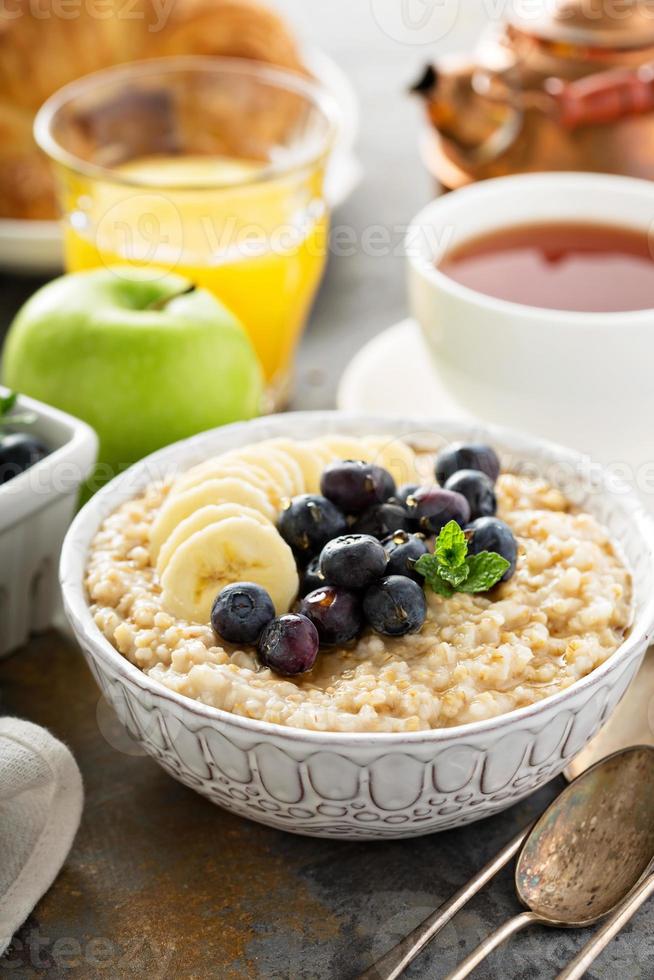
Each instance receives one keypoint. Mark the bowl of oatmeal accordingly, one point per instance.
(485, 693)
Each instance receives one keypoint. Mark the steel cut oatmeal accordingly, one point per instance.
(564, 611)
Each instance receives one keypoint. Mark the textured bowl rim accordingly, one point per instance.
(124, 487)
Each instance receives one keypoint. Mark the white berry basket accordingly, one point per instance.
(359, 785)
(36, 508)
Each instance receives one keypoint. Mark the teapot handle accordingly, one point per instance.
(604, 97)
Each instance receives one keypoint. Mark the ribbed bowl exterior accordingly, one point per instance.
(360, 786)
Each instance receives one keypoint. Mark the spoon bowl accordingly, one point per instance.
(587, 853)
(593, 844)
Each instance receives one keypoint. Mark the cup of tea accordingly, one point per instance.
(535, 294)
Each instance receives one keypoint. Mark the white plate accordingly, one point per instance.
(34, 247)
(393, 376)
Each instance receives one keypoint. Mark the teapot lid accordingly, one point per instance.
(591, 23)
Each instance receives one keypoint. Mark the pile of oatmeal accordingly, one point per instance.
(564, 612)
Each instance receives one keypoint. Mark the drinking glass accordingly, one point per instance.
(212, 168)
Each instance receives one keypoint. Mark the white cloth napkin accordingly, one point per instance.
(41, 798)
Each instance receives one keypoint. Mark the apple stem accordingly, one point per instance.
(161, 304)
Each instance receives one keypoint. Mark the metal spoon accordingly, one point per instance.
(632, 723)
(587, 852)
(629, 725)
(395, 961)
(577, 967)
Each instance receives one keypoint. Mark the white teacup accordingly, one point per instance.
(583, 379)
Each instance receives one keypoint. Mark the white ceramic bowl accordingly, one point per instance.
(329, 784)
(584, 379)
(36, 508)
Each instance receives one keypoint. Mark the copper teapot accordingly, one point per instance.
(568, 87)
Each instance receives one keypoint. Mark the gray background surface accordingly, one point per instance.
(377, 892)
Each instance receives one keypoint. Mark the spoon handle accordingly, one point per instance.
(393, 963)
(479, 954)
(578, 966)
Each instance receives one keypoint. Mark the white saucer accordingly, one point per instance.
(393, 375)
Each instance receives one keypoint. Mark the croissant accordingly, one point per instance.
(41, 50)
(26, 187)
(233, 28)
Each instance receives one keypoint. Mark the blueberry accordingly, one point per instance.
(433, 508)
(18, 452)
(355, 486)
(395, 606)
(289, 645)
(311, 578)
(382, 520)
(403, 551)
(241, 611)
(467, 456)
(405, 491)
(353, 561)
(492, 534)
(478, 490)
(309, 521)
(336, 614)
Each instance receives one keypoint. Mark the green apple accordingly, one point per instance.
(144, 360)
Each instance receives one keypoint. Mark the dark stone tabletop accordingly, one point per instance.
(160, 882)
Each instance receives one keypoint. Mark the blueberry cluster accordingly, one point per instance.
(19, 451)
(356, 544)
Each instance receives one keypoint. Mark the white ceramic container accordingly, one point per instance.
(35, 511)
(583, 379)
(387, 785)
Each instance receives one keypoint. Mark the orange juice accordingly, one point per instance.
(258, 242)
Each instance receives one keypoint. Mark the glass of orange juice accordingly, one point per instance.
(209, 167)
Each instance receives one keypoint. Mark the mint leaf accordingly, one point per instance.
(451, 546)
(7, 403)
(455, 576)
(451, 569)
(430, 567)
(484, 571)
(7, 414)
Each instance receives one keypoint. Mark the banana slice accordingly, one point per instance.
(200, 519)
(218, 468)
(311, 463)
(237, 549)
(292, 466)
(344, 447)
(395, 456)
(322, 453)
(285, 472)
(177, 508)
